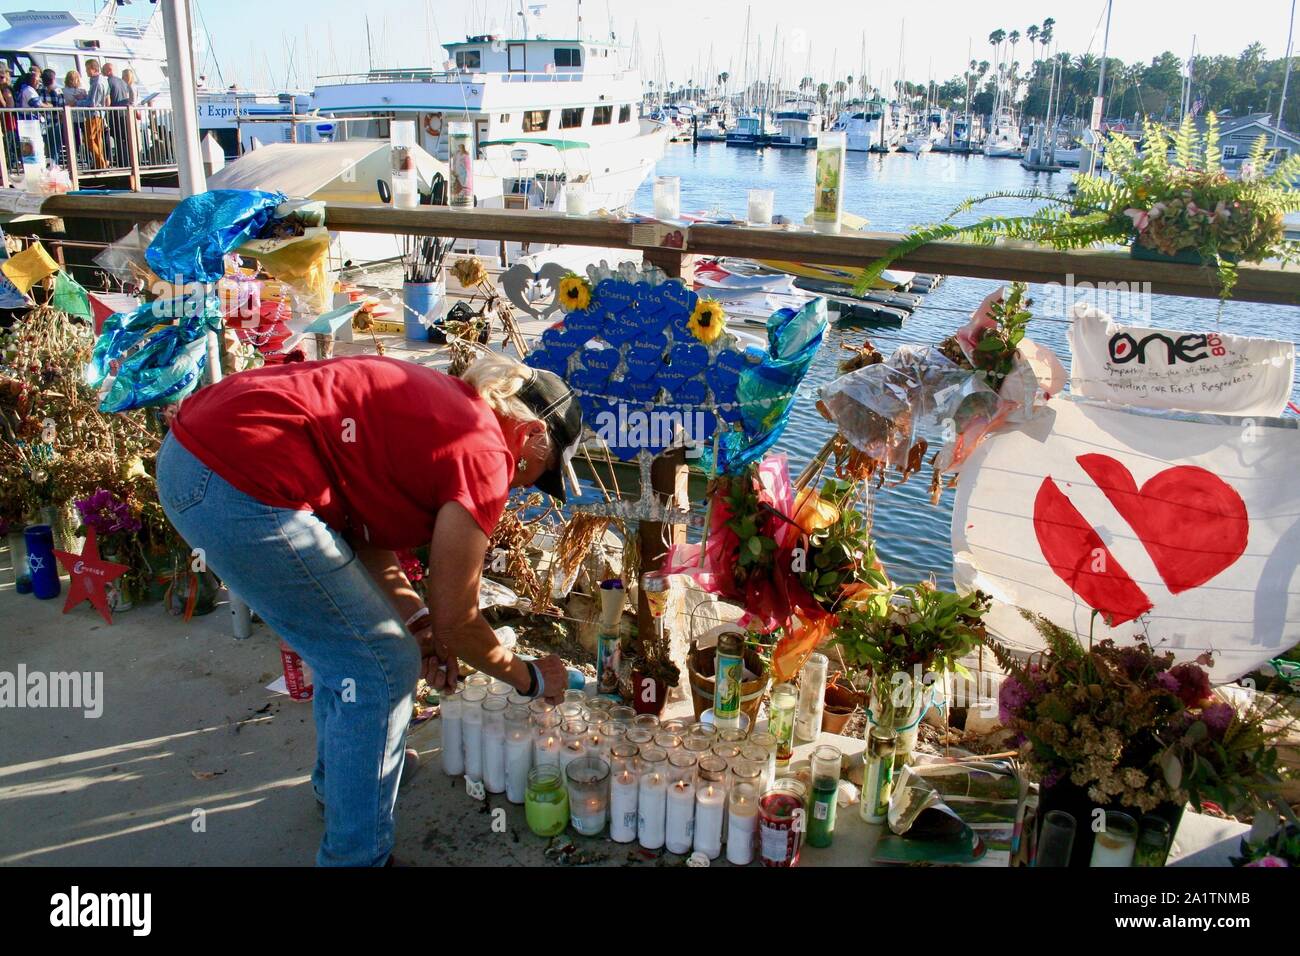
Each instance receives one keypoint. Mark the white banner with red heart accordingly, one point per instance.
(1183, 528)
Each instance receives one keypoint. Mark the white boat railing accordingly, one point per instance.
(461, 77)
(94, 142)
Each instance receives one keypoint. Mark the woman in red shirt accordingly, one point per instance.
(297, 483)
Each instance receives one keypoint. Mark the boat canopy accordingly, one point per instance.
(344, 172)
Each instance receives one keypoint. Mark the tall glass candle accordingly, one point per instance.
(679, 823)
(781, 823)
(623, 786)
(460, 164)
(573, 741)
(780, 720)
(760, 207)
(669, 742)
(828, 198)
(675, 725)
(1055, 839)
(652, 797)
(1115, 845)
(668, 197)
(878, 775)
(742, 824)
(453, 753)
(472, 698)
(623, 714)
(546, 747)
(710, 805)
(540, 712)
(494, 744)
(1155, 836)
(763, 743)
(825, 793)
(647, 722)
(729, 675)
(588, 778)
(519, 752)
(611, 733)
(812, 697)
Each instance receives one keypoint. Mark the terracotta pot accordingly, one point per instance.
(649, 694)
(840, 703)
(701, 668)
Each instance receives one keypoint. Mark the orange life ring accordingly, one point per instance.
(433, 124)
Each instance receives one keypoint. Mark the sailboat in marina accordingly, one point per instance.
(1004, 135)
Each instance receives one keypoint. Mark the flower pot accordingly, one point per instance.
(649, 694)
(1074, 800)
(1190, 257)
(840, 703)
(700, 670)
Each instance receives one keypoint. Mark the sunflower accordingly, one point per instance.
(708, 321)
(575, 293)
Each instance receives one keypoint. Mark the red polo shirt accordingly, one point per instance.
(374, 446)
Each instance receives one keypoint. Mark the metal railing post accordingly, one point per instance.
(133, 147)
(70, 137)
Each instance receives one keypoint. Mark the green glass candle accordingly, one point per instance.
(546, 801)
(825, 792)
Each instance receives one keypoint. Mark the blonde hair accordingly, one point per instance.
(498, 379)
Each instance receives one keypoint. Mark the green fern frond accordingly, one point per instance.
(1257, 151)
(1213, 153)
(1185, 144)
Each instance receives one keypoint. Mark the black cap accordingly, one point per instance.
(557, 406)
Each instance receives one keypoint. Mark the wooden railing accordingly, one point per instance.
(1006, 260)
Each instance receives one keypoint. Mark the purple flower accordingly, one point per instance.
(1168, 681)
(103, 512)
(1217, 717)
(1012, 697)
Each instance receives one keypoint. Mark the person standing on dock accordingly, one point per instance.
(297, 483)
(96, 96)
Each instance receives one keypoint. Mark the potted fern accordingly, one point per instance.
(1182, 207)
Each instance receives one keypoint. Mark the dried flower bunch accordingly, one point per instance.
(1134, 727)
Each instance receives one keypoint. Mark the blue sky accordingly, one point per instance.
(288, 42)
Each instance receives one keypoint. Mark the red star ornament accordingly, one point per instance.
(90, 576)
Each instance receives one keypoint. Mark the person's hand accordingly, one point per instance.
(438, 665)
(555, 677)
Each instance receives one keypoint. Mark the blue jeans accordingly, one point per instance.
(308, 585)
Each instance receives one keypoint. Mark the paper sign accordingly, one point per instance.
(1196, 371)
(1182, 528)
(658, 235)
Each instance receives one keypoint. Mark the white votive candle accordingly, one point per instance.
(742, 823)
(546, 750)
(494, 759)
(623, 788)
(453, 754)
(651, 806)
(473, 742)
(710, 805)
(760, 207)
(570, 751)
(667, 197)
(679, 829)
(519, 760)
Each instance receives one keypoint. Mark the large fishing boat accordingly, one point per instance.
(874, 128)
(798, 122)
(545, 114)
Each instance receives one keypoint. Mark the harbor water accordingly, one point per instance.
(895, 192)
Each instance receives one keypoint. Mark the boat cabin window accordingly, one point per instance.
(571, 118)
(536, 121)
(625, 113)
(19, 64)
(469, 59)
(602, 115)
(568, 56)
(503, 118)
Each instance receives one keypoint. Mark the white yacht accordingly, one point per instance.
(545, 114)
(63, 41)
(798, 123)
(873, 128)
(1004, 136)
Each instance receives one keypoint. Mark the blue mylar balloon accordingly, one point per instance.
(203, 229)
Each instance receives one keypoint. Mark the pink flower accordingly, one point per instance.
(1269, 861)
(981, 320)
(1217, 717)
(1141, 218)
(1221, 211)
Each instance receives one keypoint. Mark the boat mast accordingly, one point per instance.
(1286, 77)
(1101, 85)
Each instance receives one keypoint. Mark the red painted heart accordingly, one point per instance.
(1193, 525)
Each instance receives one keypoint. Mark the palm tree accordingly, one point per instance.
(1032, 33)
(1045, 34)
(722, 80)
